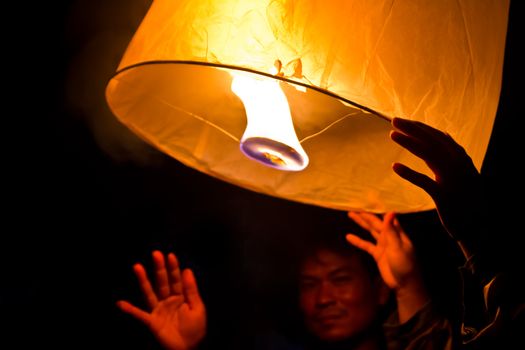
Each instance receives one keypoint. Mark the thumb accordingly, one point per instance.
(191, 291)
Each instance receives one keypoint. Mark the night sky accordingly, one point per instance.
(84, 199)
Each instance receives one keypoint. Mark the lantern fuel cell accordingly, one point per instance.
(344, 67)
(270, 136)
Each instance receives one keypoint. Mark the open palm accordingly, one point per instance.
(393, 251)
(178, 315)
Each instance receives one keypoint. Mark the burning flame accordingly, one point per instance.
(270, 136)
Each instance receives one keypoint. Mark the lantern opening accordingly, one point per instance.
(270, 136)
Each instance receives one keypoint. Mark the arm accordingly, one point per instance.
(177, 316)
(457, 191)
(394, 254)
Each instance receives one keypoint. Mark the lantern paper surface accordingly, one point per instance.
(346, 68)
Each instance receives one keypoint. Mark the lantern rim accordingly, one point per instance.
(253, 71)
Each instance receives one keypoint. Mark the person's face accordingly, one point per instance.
(337, 296)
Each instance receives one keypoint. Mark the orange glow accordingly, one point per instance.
(340, 69)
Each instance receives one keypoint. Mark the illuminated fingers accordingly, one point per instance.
(161, 275)
(145, 286)
(169, 283)
(362, 244)
(367, 221)
(191, 292)
(134, 311)
(390, 231)
(174, 274)
(405, 240)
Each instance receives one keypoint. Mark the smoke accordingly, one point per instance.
(98, 32)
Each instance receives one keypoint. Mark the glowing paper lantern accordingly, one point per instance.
(344, 68)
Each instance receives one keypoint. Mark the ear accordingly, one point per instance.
(383, 292)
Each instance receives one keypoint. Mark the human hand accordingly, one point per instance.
(393, 251)
(394, 254)
(456, 188)
(177, 316)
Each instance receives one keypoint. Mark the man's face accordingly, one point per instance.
(338, 297)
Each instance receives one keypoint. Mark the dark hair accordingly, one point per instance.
(335, 242)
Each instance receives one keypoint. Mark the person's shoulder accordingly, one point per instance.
(504, 309)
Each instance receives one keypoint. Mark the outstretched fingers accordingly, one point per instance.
(174, 274)
(421, 131)
(367, 221)
(392, 233)
(437, 148)
(362, 244)
(417, 147)
(416, 178)
(145, 286)
(134, 311)
(405, 240)
(191, 291)
(161, 275)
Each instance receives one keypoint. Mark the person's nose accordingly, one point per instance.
(325, 294)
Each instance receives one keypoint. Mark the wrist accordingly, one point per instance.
(411, 297)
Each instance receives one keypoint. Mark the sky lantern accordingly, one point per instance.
(293, 98)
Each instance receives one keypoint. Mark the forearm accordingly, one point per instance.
(411, 298)
(476, 229)
(483, 259)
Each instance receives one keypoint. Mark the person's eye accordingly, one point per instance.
(307, 284)
(342, 279)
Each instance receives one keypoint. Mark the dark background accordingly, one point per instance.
(84, 199)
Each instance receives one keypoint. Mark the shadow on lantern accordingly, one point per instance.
(292, 98)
